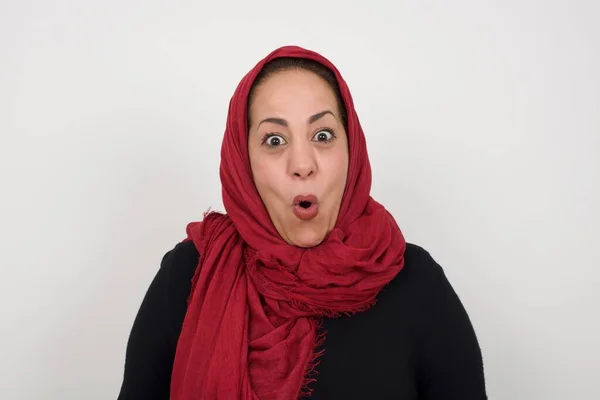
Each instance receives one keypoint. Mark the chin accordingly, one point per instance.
(306, 238)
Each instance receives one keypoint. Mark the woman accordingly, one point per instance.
(306, 287)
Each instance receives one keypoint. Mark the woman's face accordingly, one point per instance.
(298, 154)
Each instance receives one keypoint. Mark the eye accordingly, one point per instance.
(273, 140)
(324, 135)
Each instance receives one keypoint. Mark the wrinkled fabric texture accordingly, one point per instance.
(252, 326)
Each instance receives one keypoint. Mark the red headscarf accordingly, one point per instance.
(251, 329)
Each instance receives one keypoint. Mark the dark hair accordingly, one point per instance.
(293, 63)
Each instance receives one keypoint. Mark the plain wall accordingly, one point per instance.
(482, 121)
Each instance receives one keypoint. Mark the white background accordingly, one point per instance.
(482, 120)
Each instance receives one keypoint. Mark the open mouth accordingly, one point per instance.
(305, 207)
(305, 204)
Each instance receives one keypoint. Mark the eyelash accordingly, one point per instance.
(271, 134)
(329, 130)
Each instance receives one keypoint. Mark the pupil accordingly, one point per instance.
(275, 141)
(322, 137)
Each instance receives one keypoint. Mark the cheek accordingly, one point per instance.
(266, 178)
(338, 165)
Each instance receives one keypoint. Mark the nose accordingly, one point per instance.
(302, 161)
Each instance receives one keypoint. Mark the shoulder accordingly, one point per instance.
(175, 278)
(420, 269)
(422, 293)
(153, 338)
(421, 288)
(447, 350)
(179, 263)
(416, 256)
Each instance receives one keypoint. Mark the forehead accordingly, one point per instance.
(295, 88)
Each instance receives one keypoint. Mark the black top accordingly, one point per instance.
(417, 342)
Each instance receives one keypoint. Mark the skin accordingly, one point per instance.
(307, 152)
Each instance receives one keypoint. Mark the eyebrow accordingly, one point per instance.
(284, 123)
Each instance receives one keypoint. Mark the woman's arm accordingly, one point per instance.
(450, 360)
(151, 345)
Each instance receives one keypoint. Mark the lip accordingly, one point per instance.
(307, 213)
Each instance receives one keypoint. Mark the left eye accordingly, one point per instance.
(324, 136)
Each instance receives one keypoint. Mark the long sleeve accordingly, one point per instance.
(450, 363)
(152, 341)
(417, 342)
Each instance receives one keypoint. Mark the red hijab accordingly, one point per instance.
(252, 326)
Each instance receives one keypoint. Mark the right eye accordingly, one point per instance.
(273, 140)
